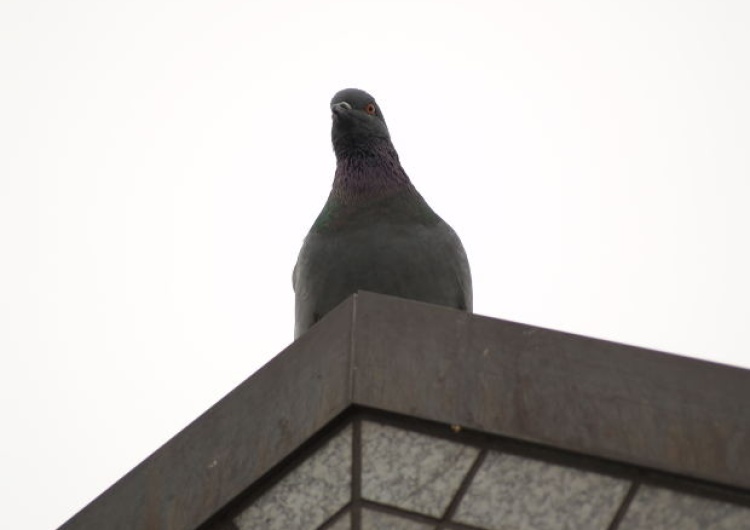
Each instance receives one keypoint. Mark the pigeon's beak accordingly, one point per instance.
(340, 108)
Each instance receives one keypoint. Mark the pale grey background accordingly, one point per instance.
(162, 161)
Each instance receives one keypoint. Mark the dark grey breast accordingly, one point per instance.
(375, 232)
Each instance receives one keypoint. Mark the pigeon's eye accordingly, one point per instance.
(370, 108)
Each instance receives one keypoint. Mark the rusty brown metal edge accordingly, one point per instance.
(236, 441)
(589, 396)
(609, 400)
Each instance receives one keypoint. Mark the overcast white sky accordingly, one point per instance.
(162, 161)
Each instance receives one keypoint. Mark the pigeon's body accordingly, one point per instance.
(376, 232)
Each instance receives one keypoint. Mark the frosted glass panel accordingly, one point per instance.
(309, 494)
(410, 470)
(510, 492)
(344, 522)
(663, 509)
(373, 520)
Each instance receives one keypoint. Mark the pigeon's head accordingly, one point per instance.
(357, 119)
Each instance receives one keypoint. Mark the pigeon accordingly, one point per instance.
(375, 232)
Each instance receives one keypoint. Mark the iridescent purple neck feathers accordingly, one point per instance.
(368, 170)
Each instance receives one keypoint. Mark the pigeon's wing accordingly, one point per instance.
(450, 282)
(463, 276)
(303, 282)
